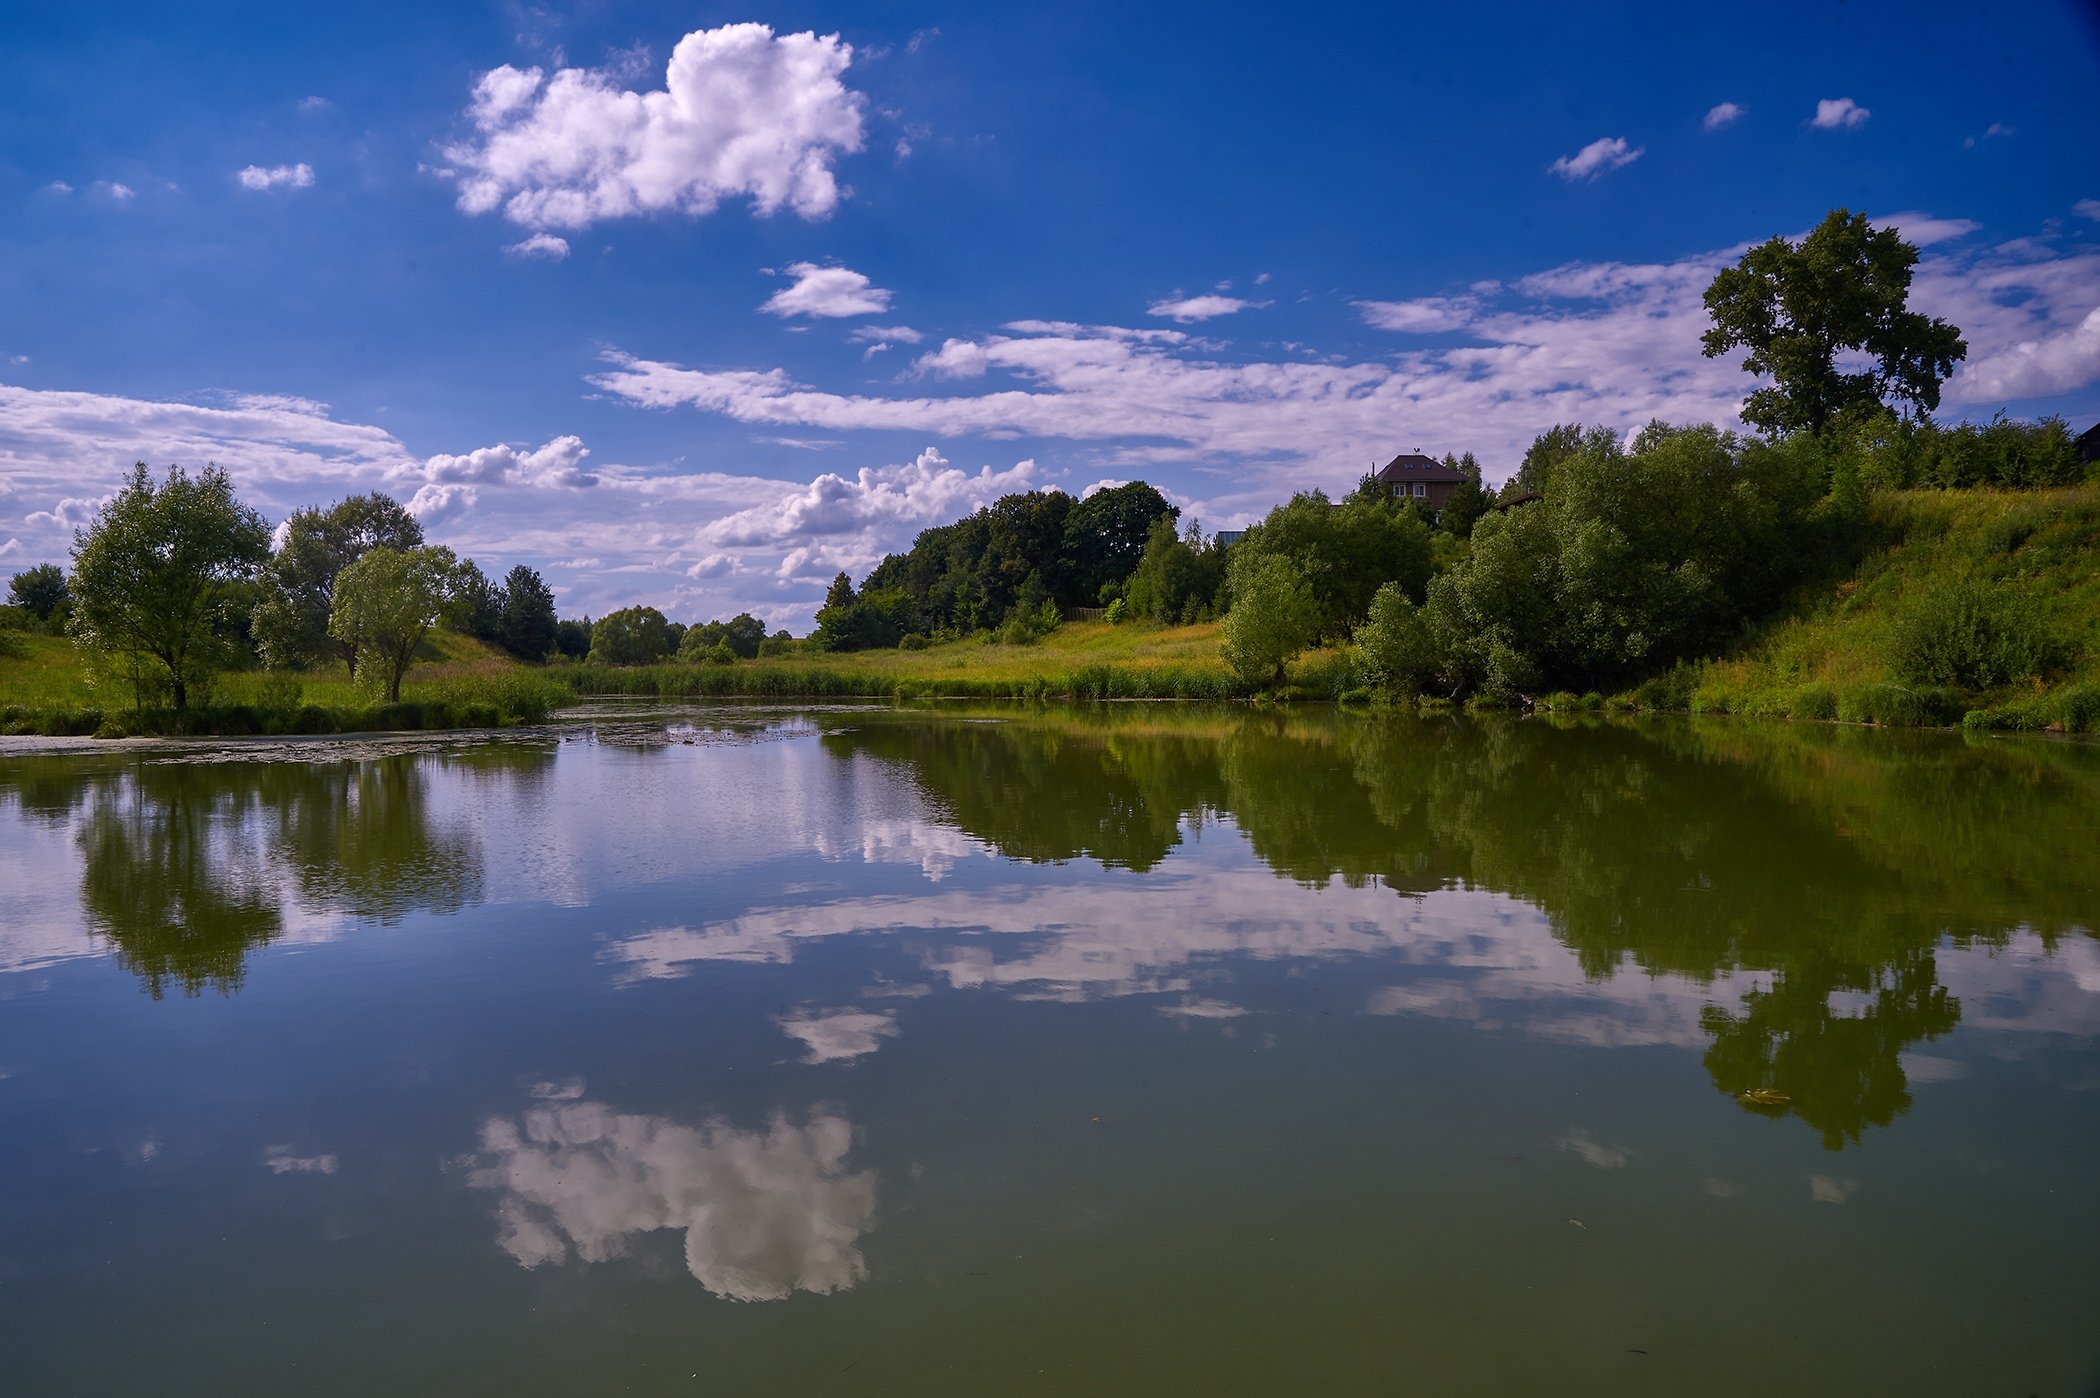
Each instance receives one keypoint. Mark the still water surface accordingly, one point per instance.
(1131, 1050)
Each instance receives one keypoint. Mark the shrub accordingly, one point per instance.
(1964, 632)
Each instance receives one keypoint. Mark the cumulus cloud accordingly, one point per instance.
(1599, 156)
(70, 513)
(1839, 113)
(299, 176)
(558, 463)
(311, 105)
(116, 191)
(9, 549)
(540, 247)
(436, 504)
(835, 522)
(1723, 114)
(2087, 208)
(742, 113)
(58, 187)
(827, 292)
(1194, 308)
(1421, 317)
(765, 1213)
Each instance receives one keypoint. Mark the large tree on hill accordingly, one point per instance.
(1105, 536)
(527, 627)
(291, 622)
(1841, 293)
(153, 572)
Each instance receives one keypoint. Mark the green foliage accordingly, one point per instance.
(1105, 535)
(1345, 552)
(475, 605)
(1395, 651)
(1274, 616)
(41, 591)
(1468, 501)
(1547, 450)
(1967, 633)
(1632, 559)
(1891, 453)
(385, 604)
(152, 575)
(572, 639)
(1798, 308)
(743, 635)
(1174, 574)
(290, 624)
(631, 636)
(527, 627)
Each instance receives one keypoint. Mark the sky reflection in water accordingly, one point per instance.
(637, 980)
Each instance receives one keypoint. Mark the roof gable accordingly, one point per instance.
(1413, 466)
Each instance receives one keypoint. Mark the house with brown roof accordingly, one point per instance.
(1423, 479)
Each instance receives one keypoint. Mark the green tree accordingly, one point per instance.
(1105, 535)
(153, 571)
(475, 607)
(1394, 644)
(1344, 552)
(527, 625)
(385, 604)
(1468, 501)
(291, 622)
(1799, 308)
(631, 636)
(41, 591)
(1547, 450)
(1273, 616)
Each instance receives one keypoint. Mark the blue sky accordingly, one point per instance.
(691, 312)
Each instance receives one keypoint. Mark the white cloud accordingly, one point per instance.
(58, 187)
(9, 549)
(558, 463)
(311, 105)
(1425, 316)
(1609, 343)
(70, 513)
(1194, 308)
(828, 292)
(741, 113)
(1837, 113)
(1723, 114)
(2087, 208)
(116, 191)
(300, 176)
(764, 1213)
(834, 522)
(1923, 230)
(542, 247)
(436, 504)
(1594, 159)
(836, 1036)
(1995, 129)
(883, 334)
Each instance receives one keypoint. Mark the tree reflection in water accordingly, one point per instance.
(1829, 863)
(188, 865)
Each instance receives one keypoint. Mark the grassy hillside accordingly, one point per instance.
(1087, 660)
(2033, 555)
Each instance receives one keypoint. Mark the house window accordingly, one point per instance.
(1421, 490)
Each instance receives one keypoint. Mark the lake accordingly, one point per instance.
(1125, 1049)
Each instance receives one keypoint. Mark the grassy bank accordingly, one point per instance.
(47, 688)
(1849, 651)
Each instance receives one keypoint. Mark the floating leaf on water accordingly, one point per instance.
(1764, 1097)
